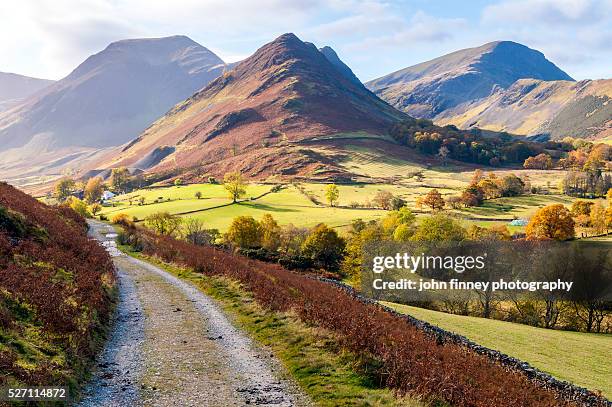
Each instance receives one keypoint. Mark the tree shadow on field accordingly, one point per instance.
(264, 207)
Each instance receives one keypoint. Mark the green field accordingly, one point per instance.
(581, 358)
(295, 204)
(287, 206)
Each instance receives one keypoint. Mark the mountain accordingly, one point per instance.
(14, 88)
(258, 116)
(106, 101)
(531, 107)
(332, 57)
(430, 88)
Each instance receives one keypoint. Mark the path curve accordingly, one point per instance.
(172, 345)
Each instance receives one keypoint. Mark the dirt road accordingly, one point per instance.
(172, 345)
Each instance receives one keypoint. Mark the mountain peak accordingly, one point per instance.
(114, 94)
(287, 91)
(335, 60)
(429, 88)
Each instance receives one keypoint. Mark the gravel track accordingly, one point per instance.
(172, 345)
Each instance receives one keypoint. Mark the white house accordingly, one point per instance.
(106, 195)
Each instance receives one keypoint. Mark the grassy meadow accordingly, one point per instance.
(587, 364)
(303, 204)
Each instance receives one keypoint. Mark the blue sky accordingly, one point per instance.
(48, 38)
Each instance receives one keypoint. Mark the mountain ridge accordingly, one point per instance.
(14, 88)
(105, 101)
(427, 89)
(287, 92)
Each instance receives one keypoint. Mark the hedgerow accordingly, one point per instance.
(410, 361)
(55, 291)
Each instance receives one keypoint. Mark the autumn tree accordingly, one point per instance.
(195, 232)
(332, 194)
(434, 200)
(439, 228)
(198, 195)
(291, 240)
(270, 232)
(78, 206)
(383, 199)
(443, 153)
(163, 223)
(244, 232)
(539, 162)
(454, 201)
(598, 218)
(511, 185)
(475, 232)
(325, 247)
(64, 188)
(95, 208)
(551, 222)
(94, 189)
(235, 185)
(581, 207)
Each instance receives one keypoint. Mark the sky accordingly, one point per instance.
(49, 38)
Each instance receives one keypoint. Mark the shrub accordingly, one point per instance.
(71, 312)
(122, 219)
(78, 206)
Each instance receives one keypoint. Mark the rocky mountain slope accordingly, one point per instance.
(430, 88)
(106, 101)
(14, 88)
(555, 109)
(254, 117)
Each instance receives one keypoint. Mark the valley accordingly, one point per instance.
(179, 229)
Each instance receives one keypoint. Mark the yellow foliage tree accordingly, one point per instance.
(551, 222)
(332, 194)
(235, 185)
(244, 232)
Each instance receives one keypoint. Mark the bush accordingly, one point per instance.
(122, 219)
(69, 312)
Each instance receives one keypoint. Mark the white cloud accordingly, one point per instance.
(550, 12)
(421, 29)
(48, 38)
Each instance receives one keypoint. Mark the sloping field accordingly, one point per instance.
(581, 358)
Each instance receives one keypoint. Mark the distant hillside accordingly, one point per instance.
(106, 101)
(14, 88)
(431, 88)
(531, 107)
(253, 116)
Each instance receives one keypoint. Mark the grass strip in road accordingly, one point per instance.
(578, 357)
(328, 375)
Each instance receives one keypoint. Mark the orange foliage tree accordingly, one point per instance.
(434, 200)
(551, 222)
